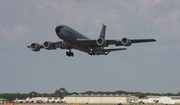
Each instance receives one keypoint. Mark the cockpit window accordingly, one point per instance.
(58, 29)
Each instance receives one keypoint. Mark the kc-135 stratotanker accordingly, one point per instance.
(72, 39)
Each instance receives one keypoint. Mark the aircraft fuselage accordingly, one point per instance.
(70, 36)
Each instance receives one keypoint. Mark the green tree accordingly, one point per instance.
(139, 94)
(57, 93)
(76, 93)
(20, 96)
(64, 92)
(178, 94)
(8, 96)
(33, 94)
(88, 92)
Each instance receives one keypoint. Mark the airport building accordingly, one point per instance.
(100, 99)
(161, 99)
(114, 99)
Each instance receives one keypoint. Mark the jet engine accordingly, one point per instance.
(101, 42)
(35, 47)
(126, 42)
(48, 45)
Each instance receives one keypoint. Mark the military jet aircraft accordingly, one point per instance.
(72, 39)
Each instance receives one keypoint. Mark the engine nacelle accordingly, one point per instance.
(48, 45)
(126, 42)
(101, 42)
(35, 47)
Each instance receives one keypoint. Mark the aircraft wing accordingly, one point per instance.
(89, 42)
(38, 44)
(132, 41)
(50, 45)
(142, 40)
(113, 49)
(61, 45)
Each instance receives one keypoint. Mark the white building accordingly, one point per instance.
(176, 99)
(113, 99)
(161, 99)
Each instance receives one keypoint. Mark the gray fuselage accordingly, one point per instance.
(70, 36)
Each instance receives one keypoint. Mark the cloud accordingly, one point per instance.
(169, 24)
(52, 4)
(123, 18)
(147, 4)
(16, 33)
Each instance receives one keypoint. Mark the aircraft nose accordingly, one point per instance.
(58, 29)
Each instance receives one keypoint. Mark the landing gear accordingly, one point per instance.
(91, 54)
(91, 51)
(69, 53)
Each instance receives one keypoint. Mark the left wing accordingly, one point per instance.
(124, 41)
(113, 49)
(107, 51)
(62, 45)
(50, 45)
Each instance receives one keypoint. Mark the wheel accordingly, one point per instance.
(67, 53)
(72, 54)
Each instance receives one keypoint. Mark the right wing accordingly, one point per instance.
(128, 42)
(123, 42)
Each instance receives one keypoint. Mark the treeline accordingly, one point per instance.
(62, 92)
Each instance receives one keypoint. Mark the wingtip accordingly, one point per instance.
(103, 24)
(124, 48)
(153, 40)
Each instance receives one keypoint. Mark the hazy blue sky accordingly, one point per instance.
(149, 67)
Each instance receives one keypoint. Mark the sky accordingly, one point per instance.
(147, 67)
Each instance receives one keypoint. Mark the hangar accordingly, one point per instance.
(161, 99)
(100, 98)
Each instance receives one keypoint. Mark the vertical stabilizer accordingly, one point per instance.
(103, 32)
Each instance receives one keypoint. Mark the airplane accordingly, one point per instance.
(21, 100)
(133, 102)
(26, 100)
(32, 100)
(63, 101)
(72, 39)
(42, 100)
(18, 100)
(50, 100)
(57, 100)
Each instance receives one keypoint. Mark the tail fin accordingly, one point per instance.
(103, 32)
(27, 99)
